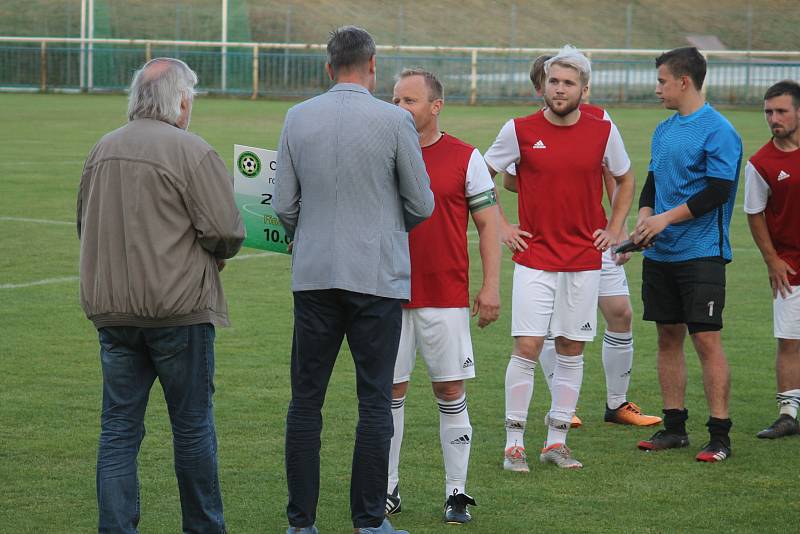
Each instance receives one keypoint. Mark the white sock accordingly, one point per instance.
(617, 362)
(789, 401)
(566, 390)
(547, 360)
(398, 418)
(519, 390)
(455, 433)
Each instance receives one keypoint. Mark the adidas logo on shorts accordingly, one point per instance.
(587, 327)
(468, 363)
(463, 440)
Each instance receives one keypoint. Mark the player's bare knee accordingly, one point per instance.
(399, 390)
(617, 312)
(528, 347)
(569, 347)
(621, 320)
(671, 337)
(789, 348)
(448, 391)
(708, 345)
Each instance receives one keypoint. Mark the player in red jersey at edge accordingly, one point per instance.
(772, 204)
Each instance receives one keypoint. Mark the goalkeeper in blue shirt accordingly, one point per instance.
(684, 215)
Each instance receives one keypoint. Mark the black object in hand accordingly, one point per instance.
(627, 246)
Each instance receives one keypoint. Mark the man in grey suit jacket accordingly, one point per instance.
(350, 184)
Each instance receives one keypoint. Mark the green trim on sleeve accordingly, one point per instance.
(482, 200)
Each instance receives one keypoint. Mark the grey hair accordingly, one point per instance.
(157, 89)
(571, 57)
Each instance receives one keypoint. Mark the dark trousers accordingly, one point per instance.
(372, 325)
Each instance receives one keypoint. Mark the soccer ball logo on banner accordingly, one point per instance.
(249, 164)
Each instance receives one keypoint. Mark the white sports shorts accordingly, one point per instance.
(613, 281)
(786, 315)
(442, 337)
(564, 304)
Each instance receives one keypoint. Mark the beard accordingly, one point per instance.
(782, 132)
(563, 111)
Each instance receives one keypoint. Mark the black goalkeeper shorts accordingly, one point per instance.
(691, 292)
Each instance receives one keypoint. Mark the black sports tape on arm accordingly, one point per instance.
(715, 194)
(647, 198)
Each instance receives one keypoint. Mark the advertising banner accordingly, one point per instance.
(253, 185)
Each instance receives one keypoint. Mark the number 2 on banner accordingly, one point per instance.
(710, 308)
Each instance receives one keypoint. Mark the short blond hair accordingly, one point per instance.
(572, 58)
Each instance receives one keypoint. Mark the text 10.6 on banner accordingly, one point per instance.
(254, 186)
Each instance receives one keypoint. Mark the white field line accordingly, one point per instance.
(45, 282)
(256, 255)
(71, 279)
(60, 161)
(68, 223)
(37, 221)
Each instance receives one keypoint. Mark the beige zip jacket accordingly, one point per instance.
(155, 213)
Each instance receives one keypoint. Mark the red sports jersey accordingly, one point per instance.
(595, 111)
(561, 191)
(438, 246)
(781, 172)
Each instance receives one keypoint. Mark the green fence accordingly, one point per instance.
(288, 73)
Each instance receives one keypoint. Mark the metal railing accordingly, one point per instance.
(470, 74)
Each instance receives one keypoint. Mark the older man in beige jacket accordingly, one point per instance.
(156, 221)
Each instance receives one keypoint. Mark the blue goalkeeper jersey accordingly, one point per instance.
(686, 151)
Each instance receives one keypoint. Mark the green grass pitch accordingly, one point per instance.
(51, 380)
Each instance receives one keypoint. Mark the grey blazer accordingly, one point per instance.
(349, 185)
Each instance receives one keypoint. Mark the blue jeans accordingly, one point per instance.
(183, 360)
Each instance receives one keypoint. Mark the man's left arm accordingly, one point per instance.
(286, 200)
(79, 210)
(487, 301)
(212, 208)
(619, 166)
(85, 177)
(486, 215)
(413, 182)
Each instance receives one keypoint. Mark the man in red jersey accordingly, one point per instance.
(558, 153)
(436, 320)
(614, 303)
(772, 204)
